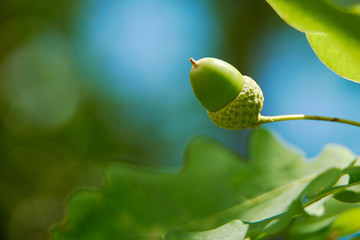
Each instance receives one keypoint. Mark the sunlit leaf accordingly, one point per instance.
(234, 230)
(347, 223)
(332, 30)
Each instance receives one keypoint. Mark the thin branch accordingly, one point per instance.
(269, 119)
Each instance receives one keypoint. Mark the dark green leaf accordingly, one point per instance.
(322, 183)
(348, 196)
(354, 174)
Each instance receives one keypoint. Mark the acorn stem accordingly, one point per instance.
(193, 62)
(269, 119)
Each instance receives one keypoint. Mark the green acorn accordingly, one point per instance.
(234, 101)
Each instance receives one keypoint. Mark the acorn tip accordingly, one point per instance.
(193, 62)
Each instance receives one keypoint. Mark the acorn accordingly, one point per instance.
(234, 101)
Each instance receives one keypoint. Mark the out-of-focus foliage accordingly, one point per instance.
(332, 28)
(216, 186)
(245, 25)
(22, 19)
(58, 124)
(347, 223)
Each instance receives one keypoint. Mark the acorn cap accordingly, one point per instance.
(244, 111)
(215, 82)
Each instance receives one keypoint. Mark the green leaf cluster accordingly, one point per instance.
(219, 195)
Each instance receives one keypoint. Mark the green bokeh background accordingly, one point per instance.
(63, 116)
(55, 130)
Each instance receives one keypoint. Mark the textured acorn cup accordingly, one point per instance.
(233, 101)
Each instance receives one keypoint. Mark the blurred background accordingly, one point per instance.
(86, 82)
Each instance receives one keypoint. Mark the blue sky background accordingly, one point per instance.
(143, 50)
